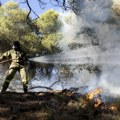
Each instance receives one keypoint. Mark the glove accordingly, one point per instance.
(2, 58)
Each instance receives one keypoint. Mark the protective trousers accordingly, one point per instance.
(10, 76)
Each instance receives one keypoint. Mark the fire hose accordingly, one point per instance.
(6, 61)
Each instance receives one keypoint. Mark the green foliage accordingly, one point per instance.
(49, 22)
(13, 21)
(32, 42)
(14, 26)
(51, 41)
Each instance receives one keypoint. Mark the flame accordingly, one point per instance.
(97, 102)
(113, 108)
(93, 93)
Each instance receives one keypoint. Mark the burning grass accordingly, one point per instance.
(57, 105)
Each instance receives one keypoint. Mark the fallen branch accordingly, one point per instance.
(41, 87)
(48, 88)
(54, 83)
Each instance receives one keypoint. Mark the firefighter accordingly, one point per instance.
(17, 58)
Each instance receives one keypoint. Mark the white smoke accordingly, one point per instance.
(97, 31)
(97, 15)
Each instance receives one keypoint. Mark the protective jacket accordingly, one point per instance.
(17, 58)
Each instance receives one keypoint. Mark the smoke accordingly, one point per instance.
(92, 37)
(96, 27)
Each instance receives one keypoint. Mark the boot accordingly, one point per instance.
(25, 88)
(4, 87)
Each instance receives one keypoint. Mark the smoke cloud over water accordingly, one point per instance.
(93, 37)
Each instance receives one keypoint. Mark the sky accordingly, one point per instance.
(35, 6)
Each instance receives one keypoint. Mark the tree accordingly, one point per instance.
(64, 4)
(14, 26)
(49, 24)
(50, 42)
(42, 4)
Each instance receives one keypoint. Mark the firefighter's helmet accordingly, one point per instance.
(16, 45)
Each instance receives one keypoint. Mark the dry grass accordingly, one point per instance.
(32, 106)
